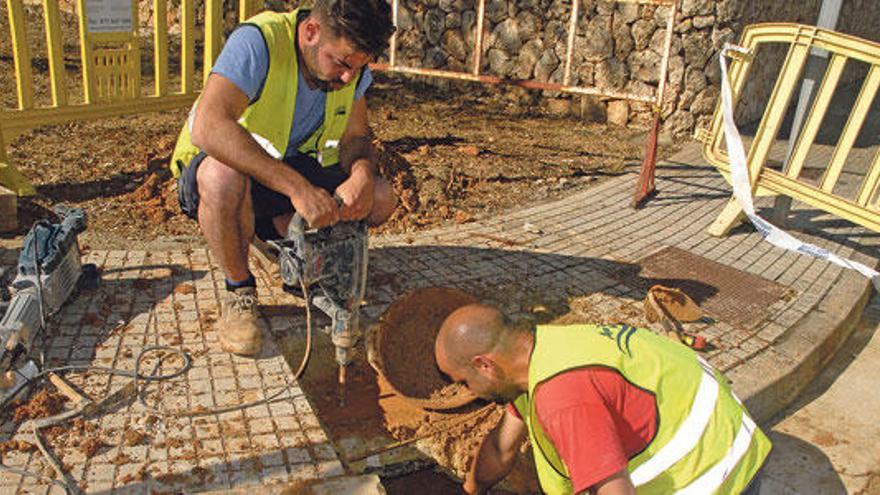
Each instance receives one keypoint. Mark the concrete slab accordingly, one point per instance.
(826, 442)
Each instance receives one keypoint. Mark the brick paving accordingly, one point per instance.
(576, 256)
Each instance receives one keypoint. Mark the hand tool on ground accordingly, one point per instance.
(330, 264)
(671, 306)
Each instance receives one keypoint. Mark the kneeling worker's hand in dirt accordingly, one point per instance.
(357, 195)
(316, 206)
(471, 487)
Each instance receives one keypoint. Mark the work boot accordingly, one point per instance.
(240, 334)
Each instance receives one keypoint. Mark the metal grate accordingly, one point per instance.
(733, 296)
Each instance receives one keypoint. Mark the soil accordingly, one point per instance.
(42, 404)
(454, 154)
(133, 437)
(16, 446)
(426, 482)
(405, 339)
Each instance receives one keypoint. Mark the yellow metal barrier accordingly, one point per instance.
(110, 54)
(863, 209)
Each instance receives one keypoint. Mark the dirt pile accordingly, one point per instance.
(155, 200)
(43, 404)
(398, 171)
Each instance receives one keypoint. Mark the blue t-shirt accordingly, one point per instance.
(244, 60)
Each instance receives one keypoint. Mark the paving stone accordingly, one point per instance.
(303, 471)
(297, 455)
(100, 472)
(261, 425)
(329, 469)
(324, 451)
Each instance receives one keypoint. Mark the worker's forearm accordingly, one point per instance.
(231, 144)
(491, 464)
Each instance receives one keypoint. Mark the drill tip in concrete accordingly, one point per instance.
(341, 385)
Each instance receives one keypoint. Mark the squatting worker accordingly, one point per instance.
(608, 409)
(281, 126)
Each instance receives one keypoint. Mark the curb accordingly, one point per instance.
(779, 374)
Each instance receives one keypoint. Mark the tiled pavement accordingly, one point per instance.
(582, 250)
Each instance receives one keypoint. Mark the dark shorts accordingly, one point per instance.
(266, 202)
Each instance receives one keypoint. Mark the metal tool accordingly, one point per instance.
(49, 270)
(332, 262)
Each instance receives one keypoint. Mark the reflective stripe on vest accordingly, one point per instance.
(712, 479)
(704, 442)
(270, 118)
(686, 437)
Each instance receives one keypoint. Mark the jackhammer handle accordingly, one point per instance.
(298, 224)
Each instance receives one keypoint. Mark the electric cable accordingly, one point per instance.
(69, 484)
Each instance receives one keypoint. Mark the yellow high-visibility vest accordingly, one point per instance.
(705, 443)
(270, 118)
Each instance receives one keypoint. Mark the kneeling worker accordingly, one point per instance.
(609, 409)
(281, 126)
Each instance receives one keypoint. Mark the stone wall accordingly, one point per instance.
(618, 47)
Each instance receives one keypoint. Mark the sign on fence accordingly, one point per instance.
(109, 16)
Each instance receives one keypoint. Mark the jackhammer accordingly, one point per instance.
(49, 270)
(332, 260)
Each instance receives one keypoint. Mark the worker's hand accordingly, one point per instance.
(316, 206)
(471, 487)
(357, 195)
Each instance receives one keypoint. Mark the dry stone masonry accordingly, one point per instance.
(618, 47)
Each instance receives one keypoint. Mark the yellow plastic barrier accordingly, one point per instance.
(111, 60)
(863, 209)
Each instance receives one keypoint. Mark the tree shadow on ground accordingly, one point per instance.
(820, 224)
(118, 184)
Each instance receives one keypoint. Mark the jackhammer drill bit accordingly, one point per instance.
(341, 385)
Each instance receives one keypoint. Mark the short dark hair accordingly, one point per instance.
(366, 23)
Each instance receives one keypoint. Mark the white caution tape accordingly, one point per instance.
(742, 189)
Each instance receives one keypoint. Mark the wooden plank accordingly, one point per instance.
(8, 210)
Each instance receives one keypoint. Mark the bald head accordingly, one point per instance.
(470, 331)
(479, 346)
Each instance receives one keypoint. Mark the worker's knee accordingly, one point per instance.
(384, 202)
(221, 185)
